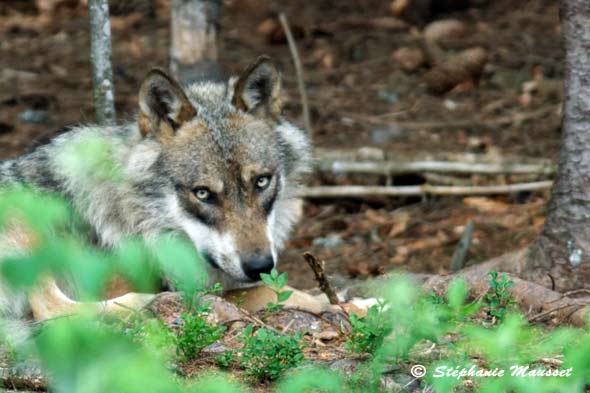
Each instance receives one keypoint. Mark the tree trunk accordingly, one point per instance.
(100, 56)
(563, 248)
(194, 27)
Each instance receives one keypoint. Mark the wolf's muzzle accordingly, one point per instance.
(256, 265)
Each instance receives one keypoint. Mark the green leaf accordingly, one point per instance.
(267, 279)
(282, 280)
(274, 273)
(283, 296)
(20, 273)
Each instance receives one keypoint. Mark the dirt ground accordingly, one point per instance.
(362, 93)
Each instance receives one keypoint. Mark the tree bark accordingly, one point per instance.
(194, 26)
(562, 250)
(100, 56)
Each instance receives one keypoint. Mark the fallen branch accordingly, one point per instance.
(320, 275)
(392, 167)
(421, 190)
(543, 302)
(493, 123)
(298, 71)
(372, 153)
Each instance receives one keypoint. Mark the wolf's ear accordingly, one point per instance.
(258, 89)
(162, 104)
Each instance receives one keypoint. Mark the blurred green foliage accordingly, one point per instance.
(89, 354)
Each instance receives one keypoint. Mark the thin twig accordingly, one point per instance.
(577, 292)
(320, 276)
(425, 189)
(545, 313)
(298, 71)
(286, 328)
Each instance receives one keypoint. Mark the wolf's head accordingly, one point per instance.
(233, 162)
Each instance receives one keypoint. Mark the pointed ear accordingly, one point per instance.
(162, 104)
(258, 89)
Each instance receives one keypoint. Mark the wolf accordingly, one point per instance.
(214, 162)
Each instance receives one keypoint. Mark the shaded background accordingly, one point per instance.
(368, 70)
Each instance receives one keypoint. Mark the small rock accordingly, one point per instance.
(440, 31)
(347, 366)
(389, 385)
(407, 382)
(388, 96)
(450, 104)
(327, 335)
(386, 134)
(409, 58)
(34, 116)
(296, 321)
(215, 348)
(467, 65)
(330, 241)
(267, 26)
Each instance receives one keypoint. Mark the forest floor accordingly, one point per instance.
(363, 91)
(368, 77)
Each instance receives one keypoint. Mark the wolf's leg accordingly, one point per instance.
(48, 301)
(255, 299)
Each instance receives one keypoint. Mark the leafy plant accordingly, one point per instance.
(195, 333)
(500, 300)
(266, 354)
(276, 282)
(368, 332)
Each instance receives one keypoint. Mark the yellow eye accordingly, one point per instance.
(202, 194)
(262, 182)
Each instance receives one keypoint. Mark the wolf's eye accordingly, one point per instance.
(262, 182)
(202, 194)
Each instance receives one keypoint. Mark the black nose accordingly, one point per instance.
(256, 265)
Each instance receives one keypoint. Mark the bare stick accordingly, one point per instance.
(425, 189)
(391, 167)
(298, 71)
(320, 276)
(100, 56)
(461, 251)
(543, 314)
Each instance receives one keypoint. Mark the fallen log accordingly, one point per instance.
(536, 300)
(395, 167)
(372, 153)
(421, 190)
